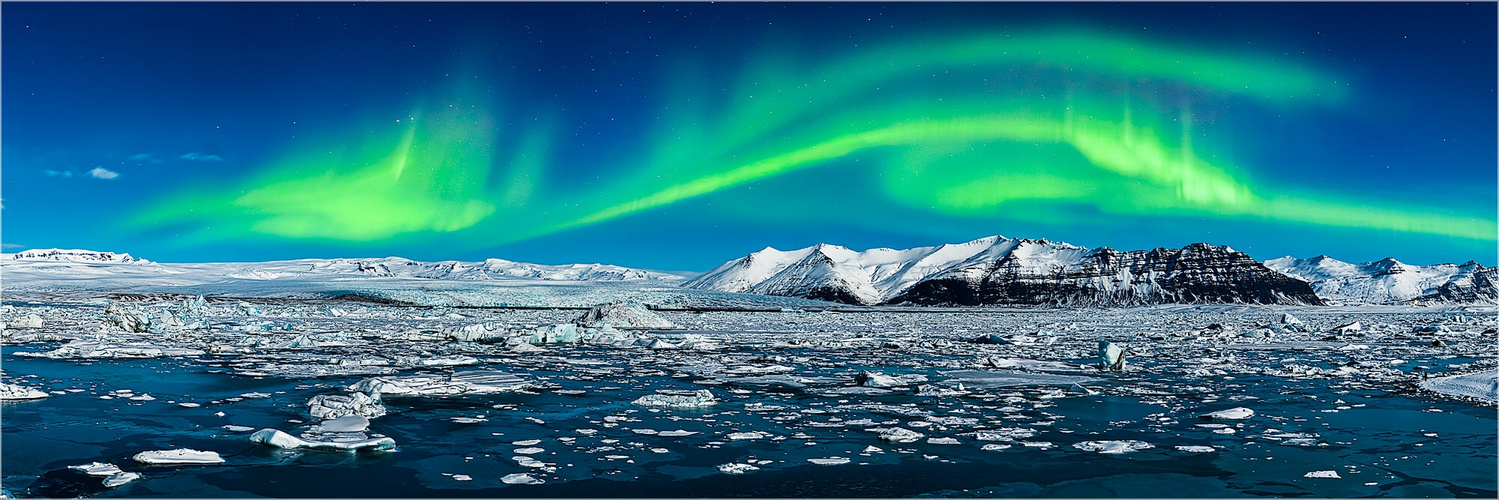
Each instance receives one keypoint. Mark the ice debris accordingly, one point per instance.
(829, 461)
(30, 321)
(700, 398)
(1110, 356)
(1196, 449)
(1349, 328)
(736, 468)
(883, 381)
(469, 382)
(1111, 447)
(113, 476)
(273, 437)
(12, 392)
(1239, 413)
(624, 316)
(900, 435)
(1292, 323)
(350, 423)
(521, 478)
(335, 406)
(181, 456)
(1323, 474)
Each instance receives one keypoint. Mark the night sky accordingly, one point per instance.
(678, 136)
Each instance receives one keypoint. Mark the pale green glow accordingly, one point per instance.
(924, 118)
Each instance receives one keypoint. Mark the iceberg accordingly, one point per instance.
(1110, 356)
(520, 478)
(1239, 413)
(12, 392)
(900, 435)
(335, 406)
(350, 423)
(469, 382)
(1112, 447)
(113, 476)
(699, 399)
(273, 437)
(181, 456)
(625, 316)
(30, 321)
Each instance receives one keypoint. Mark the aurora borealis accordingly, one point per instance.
(678, 136)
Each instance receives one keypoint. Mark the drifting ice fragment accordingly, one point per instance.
(113, 476)
(1348, 328)
(736, 468)
(351, 423)
(900, 435)
(116, 480)
(624, 316)
(335, 406)
(30, 321)
(829, 460)
(1239, 413)
(469, 382)
(178, 456)
(1110, 447)
(12, 392)
(699, 399)
(273, 437)
(520, 479)
(1110, 356)
(942, 440)
(1196, 449)
(1292, 323)
(1323, 474)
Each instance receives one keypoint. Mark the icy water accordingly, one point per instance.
(1009, 420)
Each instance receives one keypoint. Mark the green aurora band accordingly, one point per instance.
(1116, 134)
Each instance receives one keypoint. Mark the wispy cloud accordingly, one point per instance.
(202, 157)
(101, 173)
(58, 173)
(140, 157)
(11, 246)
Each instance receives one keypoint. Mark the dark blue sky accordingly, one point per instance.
(189, 132)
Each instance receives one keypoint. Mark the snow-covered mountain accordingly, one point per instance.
(999, 270)
(1390, 281)
(54, 262)
(60, 255)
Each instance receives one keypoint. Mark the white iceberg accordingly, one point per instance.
(520, 479)
(1112, 447)
(470, 382)
(1239, 413)
(1322, 474)
(273, 437)
(736, 468)
(1110, 356)
(350, 423)
(12, 392)
(699, 399)
(624, 316)
(900, 435)
(335, 406)
(182, 456)
(829, 461)
(30, 321)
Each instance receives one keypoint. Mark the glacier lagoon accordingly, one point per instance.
(989, 402)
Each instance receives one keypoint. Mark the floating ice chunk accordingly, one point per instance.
(555, 334)
(527, 442)
(624, 316)
(736, 468)
(829, 460)
(488, 331)
(1292, 323)
(237, 428)
(129, 320)
(462, 477)
(468, 420)
(120, 479)
(97, 469)
(1007, 378)
(900, 435)
(995, 447)
(1323, 474)
(350, 423)
(520, 478)
(1111, 447)
(469, 382)
(189, 405)
(1239, 413)
(942, 440)
(877, 379)
(676, 433)
(30, 321)
(1110, 356)
(1482, 385)
(746, 436)
(1348, 328)
(335, 406)
(700, 398)
(273, 437)
(1197, 449)
(529, 451)
(178, 456)
(872, 449)
(929, 390)
(12, 392)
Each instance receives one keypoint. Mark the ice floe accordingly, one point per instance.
(698, 399)
(276, 438)
(1239, 413)
(181, 456)
(1483, 386)
(12, 392)
(1112, 447)
(521, 478)
(624, 316)
(336, 406)
(469, 382)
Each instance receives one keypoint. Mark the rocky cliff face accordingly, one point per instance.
(1198, 273)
